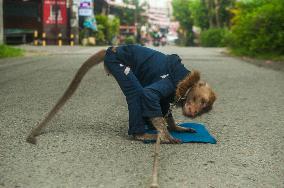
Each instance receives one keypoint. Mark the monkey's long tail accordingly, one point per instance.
(87, 65)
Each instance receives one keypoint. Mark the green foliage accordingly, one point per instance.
(202, 13)
(213, 37)
(112, 29)
(182, 14)
(130, 40)
(100, 36)
(199, 14)
(258, 28)
(211, 13)
(107, 29)
(224, 12)
(130, 16)
(6, 51)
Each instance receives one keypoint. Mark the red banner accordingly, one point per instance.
(54, 12)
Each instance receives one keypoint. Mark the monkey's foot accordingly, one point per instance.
(153, 137)
(166, 138)
(145, 137)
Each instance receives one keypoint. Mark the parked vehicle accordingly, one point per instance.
(171, 38)
(163, 40)
(156, 39)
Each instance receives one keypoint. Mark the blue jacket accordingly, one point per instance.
(157, 74)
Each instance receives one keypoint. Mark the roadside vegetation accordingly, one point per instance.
(258, 29)
(108, 27)
(251, 28)
(106, 30)
(7, 51)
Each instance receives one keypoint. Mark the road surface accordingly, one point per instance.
(87, 145)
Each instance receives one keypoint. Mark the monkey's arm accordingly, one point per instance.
(152, 107)
(160, 124)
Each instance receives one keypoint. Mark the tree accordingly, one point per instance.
(258, 28)
(107, 28)
(132, 16)
(1, 22)
(218, 12)
(199, 13)
(211, 13)
(182, 14)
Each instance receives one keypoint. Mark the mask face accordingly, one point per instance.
(199, 100)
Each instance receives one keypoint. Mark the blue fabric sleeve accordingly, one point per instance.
(131, 88)
(152, 96)
(151, 104)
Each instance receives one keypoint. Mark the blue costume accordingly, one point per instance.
(148, 79)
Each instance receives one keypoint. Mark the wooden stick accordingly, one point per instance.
(155, 166)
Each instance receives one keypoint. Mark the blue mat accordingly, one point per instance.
(201, 136)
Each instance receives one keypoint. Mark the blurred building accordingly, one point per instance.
(112, 8)
(159, 13)
(115, 8)
(53, 17)
(23, 17)
(109, 7)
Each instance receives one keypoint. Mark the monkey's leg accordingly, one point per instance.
(93, 60)
(132, 90)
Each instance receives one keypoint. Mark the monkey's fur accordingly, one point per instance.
(200, 99)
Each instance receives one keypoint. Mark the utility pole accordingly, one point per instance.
(1, 22)
(74, 19)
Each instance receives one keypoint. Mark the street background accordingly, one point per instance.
(87, 145)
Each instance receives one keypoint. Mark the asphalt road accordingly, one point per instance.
(87, 145)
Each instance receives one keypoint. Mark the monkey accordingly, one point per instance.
(150, 80)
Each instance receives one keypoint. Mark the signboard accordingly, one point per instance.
(86, 8)
(54, 12)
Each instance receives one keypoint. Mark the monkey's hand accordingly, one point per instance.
(160, 124)
(174, 127)
(182, 129)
